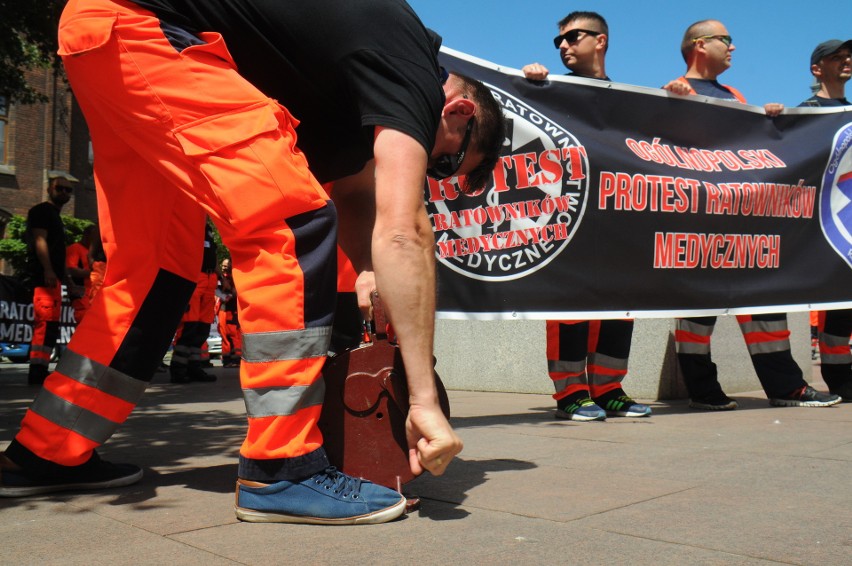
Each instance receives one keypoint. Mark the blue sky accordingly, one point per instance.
(774, 39)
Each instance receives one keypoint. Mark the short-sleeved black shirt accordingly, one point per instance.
(818, 101)
(45, 216)
(340, 67)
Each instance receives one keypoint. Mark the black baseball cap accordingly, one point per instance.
(827, 48)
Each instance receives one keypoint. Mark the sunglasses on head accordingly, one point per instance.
(572, 36)
(447, 165)
(726, 39)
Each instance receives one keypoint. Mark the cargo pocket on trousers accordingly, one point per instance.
(85, 33)
(215, 133)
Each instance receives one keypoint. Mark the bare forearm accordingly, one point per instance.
(405, 276)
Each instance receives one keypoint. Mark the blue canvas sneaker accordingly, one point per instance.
(327, 498)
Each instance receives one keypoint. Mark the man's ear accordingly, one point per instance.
(816, 70)
(603, 41)
(461, 106)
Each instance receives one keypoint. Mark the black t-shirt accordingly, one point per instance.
(340, 67)
(820, 101)
(209, 260)
(45, 216)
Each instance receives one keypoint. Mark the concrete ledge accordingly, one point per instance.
(509, 356)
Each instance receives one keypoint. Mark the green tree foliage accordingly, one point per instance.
(13, 248)
(27, 41)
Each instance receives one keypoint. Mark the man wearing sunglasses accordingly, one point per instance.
(582, 42)
(831, 66)
(45, 237)
(241, 109)
(707, 47)
(587, 359)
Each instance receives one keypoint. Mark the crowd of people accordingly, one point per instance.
(587, 369)
(182, 106)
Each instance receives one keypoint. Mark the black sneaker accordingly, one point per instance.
(94, 474)
(807, 396)
(844, 391)
(713, 402)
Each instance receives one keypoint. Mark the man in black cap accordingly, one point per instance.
(831, 66)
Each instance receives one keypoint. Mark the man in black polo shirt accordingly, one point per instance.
(45, 236)
(244, 107)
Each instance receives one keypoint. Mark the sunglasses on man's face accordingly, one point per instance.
(572, 36)
(726, 39)
(65, 189)
(447, 165)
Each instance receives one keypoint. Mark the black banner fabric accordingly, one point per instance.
(614, 201)
(16, 314)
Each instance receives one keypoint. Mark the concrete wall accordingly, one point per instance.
(510, 356)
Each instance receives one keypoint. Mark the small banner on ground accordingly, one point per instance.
(614, 201)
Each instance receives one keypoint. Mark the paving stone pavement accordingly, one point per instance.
(759, 485)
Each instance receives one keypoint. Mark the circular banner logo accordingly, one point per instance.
(835, 210)
(529, 212)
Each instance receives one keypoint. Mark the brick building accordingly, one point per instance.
(37, 140)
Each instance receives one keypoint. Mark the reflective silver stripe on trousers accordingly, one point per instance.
(769, 347)
(283, 401)
(71, 417)
(695, 328)
(101, 377)
(607, 361)
(286, 345)
(832, 341)
(764, 326)
(562, 384)
(565, 366)
(692, 348)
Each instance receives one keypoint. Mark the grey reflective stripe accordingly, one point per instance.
(101, 377)
(562, 384)
(694, 327)
(769, 347)
(607, 361)
(835, 359)
(286, 345)
(42, 349)
(71, 417)
(763, 326)
(603, 378)
(692, 348)
(283, 401)
(833, 341)
(563, 366)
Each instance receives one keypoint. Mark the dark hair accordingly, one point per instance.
(489, 131)
(593, 16)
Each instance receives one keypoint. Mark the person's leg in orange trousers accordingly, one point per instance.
(165, 145)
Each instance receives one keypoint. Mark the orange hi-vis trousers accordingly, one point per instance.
(177, 133)
(588, 355)
(47, 308)
(194, 328)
